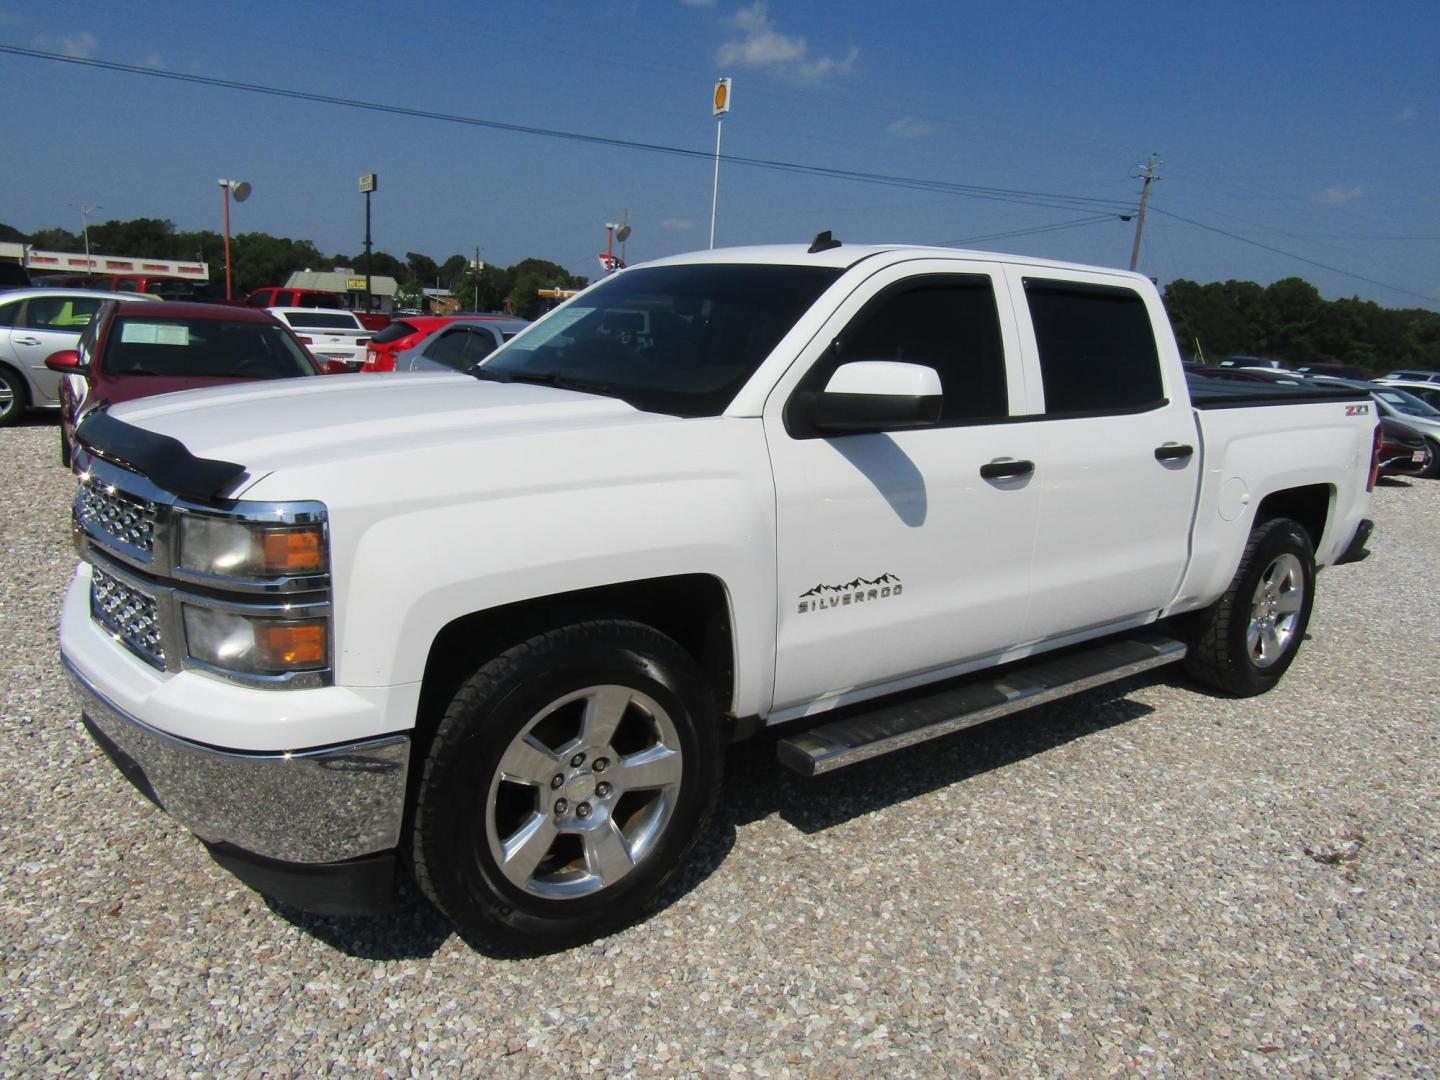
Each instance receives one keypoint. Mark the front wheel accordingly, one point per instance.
(566, 783)
(1244, 642)
(1431, 469)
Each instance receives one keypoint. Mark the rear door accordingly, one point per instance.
(1117, 456)
(897, 560)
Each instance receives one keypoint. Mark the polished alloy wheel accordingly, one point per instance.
(584, 792)
(1275, 610)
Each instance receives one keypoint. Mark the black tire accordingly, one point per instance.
(14, 396)
(1276, 582)
(543, 695)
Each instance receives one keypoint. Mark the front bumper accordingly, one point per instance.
(323, 805)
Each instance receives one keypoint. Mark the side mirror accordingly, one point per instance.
(877, 395)
(66, 362)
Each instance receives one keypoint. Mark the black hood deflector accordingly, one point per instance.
(164, 460)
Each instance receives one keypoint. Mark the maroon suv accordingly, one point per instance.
(135, 349)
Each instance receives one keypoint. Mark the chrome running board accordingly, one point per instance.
(1019, 686)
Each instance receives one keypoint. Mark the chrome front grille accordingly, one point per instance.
(130, 614)
(130, 532)
(116, 514)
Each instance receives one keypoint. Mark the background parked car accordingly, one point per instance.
(410, 331)
(1415, 375)
(137, 350)
(33, 324)
(273, 296)
(1404, 451)
(329, 335)
(460, 345)
(276, 296)
(1426, 392)
(1400, 405)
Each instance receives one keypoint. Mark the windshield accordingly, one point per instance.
(1407, 403)
(670, 339)
(206, 348)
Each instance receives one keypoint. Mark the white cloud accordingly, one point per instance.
(1405, 115)
(81, 45)
(154, 60)
(677, 224)
(762, 46)
(907, 127)
(1334, 196)
(698, 3)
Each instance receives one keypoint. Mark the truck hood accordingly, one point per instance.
(272, 426)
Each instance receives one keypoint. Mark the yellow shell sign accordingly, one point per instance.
(722, 97)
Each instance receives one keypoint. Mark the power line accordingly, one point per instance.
(1034, 230)
(1048, 200)
(1299, 258)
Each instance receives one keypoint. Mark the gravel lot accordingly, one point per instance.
(1140, 879)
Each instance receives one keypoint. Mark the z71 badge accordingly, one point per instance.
(860, 591)
(1357, 410)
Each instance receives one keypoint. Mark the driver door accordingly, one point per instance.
(898, 562)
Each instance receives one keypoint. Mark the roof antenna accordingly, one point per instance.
(823, 242)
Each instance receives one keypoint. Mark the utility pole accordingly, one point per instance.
(1149, 176)
(477, 278)
(624, 235)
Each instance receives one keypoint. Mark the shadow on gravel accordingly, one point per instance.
(413, 931)
(757, 786)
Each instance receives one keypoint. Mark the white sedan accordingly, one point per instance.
(329, 333)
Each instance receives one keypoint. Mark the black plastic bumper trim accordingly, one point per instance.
(363, 886)
(1357, 550)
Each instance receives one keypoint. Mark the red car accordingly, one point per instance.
(135, 349)
(283, 296)
(406, 333)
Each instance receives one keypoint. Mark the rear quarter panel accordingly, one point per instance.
(1250, 453)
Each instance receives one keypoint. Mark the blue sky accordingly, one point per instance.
(1305, 127)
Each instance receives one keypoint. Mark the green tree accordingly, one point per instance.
(532, 275)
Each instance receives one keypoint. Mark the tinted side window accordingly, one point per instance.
(259, 299)
(449, 348)
(66, 314)
(947, 322)
(481, 345)
(9, 312)
(1097, 348)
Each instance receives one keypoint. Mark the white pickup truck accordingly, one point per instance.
(495, 629)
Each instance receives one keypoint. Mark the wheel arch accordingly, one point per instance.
(22, 383)
(1309, 506)
(695, 610)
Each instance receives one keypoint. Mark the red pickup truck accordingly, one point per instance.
(280, 296)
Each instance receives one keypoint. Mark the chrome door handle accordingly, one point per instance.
(27, 341)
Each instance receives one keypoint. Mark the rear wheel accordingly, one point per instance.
(14, 396)
(566, 783)
(1246, 640)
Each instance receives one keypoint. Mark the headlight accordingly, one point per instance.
(248, 549)
(255, 644)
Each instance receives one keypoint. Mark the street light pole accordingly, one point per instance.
(242, 192)
(225, 195)
(85, 212)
